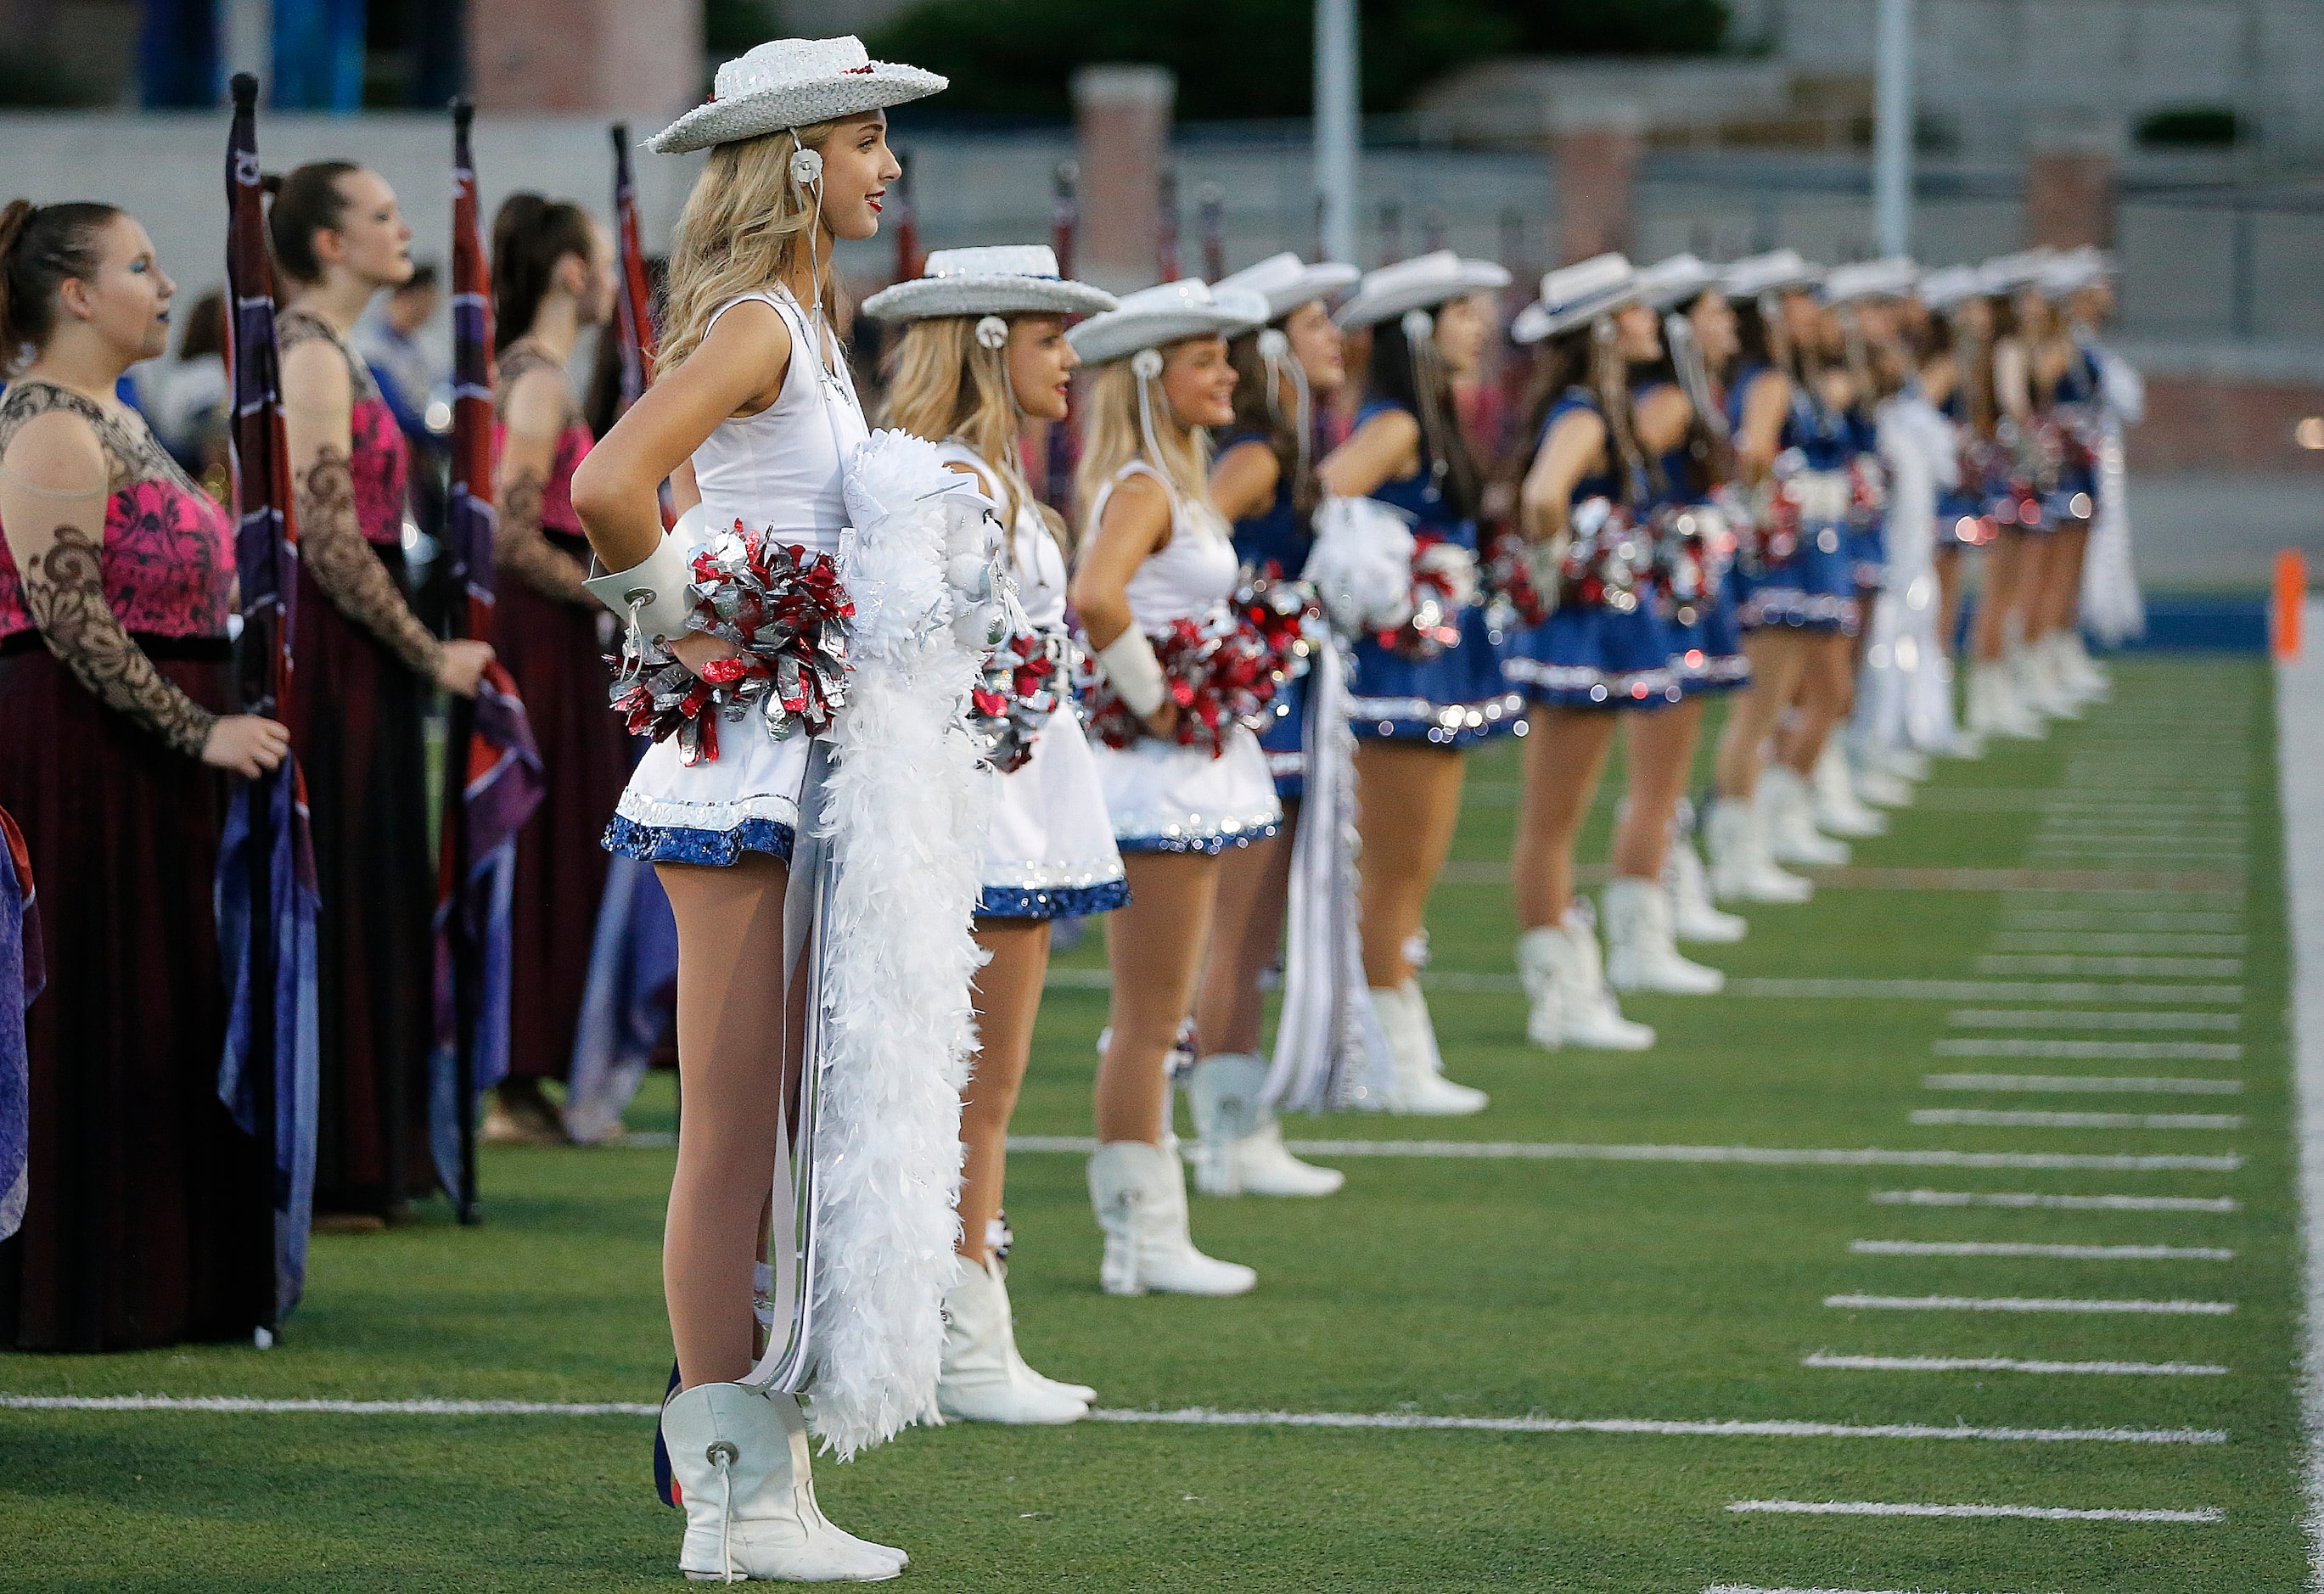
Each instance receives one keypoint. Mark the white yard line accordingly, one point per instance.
(2027, 1303)
(2063, 1083)
(1987, 991)
(2023, 1248)
(2067, 1204)
(2103, 941)
(2068, 963)
(2299, 772)
(2036, 1119)
(1874, 1156)
(2011, 1364)
(2055, 1018)
(2120, 1051)
(2201, 1514)
(2080, 918)
(1760, 1588)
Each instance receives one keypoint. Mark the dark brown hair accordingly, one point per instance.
(308, 202)
(530, 235)
(41, 247)
(1579, 359)
(205, 327)
(1394, 374)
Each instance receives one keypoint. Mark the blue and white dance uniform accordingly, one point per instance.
(1163, 797)
(1798, 573)
(1961, 521)
(2074, 408)
(1278, 535)
(1048, 842)
(1696, 585)
(1458, 699)
(783, 470)
(1867, 530)
(1605, 645)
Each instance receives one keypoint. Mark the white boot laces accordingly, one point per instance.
(723, 1455)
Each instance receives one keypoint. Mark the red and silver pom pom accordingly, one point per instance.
(785, 608)
(1223, 670)
(1443, 584)
(1016, 696)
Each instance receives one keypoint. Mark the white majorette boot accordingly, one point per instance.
(1239, 1145)
(1566, 981)
(1694, 916)
(1641, 945)
(1787, 811)
(740, 1459)
(1994, 708)
(1837, 808)
(1420, 1088)
(2034, 668)
(1139, 1192)
(2081, 672)
(1742, 866)
(1906, 763)
(984, 1379)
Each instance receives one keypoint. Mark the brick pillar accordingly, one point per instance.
(2069, 190)
(640, 57)
(1594, 150)
(1121, 128)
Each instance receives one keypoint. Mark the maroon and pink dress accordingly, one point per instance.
(548, 634)
(149, 1219)
(360, 688)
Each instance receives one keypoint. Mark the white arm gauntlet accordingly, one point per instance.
(1136, 674)
(651, 595)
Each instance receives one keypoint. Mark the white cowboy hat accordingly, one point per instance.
(2006, 273)
(1004, 279)
(1889, 278)
(1943, 289)
(1287, 282)
(2076, 270)
(1576, 295)
(793, 83)
(1776, 272)
(1668, 283)
(1420, 283)
(1166, 313)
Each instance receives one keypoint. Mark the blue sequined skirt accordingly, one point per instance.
(1867, 554)
(1456, 699)
(1284, 740)
(1814, 589)
(1708, 652)
(1588, 656)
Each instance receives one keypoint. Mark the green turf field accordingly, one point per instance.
(1648, 1289)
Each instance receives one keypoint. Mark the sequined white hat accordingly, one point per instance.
(1166, 313)
(1006, 280)
(793, 83)
(1889, 278)
(1671, 283)
(1572, 296)
(1420, 283)
(2076, 270)
(1943, 288)
(1285, 282)
(1776, 272)
(2006, 273)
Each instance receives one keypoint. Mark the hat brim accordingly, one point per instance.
(1547, 323)
(1316, 282)
(1101, 339)
(799, 105)
(1670, 295)
(1475, 277)
(922, 299)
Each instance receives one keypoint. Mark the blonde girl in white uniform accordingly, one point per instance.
(985, 351)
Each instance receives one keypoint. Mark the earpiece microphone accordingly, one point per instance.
(992, 333)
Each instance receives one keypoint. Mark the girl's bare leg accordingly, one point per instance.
(1778, 656)
(1660, 748)
(1254, 885)
(1007, 999)
(1826, 685)
(1565, 754)
(1408, 803)
(731, 1021)
(1155, 946)
(2061, 577)
(1998, 596)
(1949, 594)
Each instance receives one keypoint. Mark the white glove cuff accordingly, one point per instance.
(652, 594)
(1136, 674)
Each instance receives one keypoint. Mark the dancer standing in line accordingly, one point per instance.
(2110, 607)
(149, 1218)
(753, 388)
(1155, 553)
(366, 667)
(983, 352)
(1264, 482)
(1584, 503)
(2065, 404)
(1419, 701)
(1956, 377)
(552, 276)
(1998, 702)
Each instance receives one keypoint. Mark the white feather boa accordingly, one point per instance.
(904, 813)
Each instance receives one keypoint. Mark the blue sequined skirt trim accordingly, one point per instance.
(1812, 590)
(1457, 699)
(1709, 654)
(671, 843)
(1587, 656)
(1867, 555)
(1285, 741)
(1058, 902)
(1208, 845)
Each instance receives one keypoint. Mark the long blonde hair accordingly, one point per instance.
(1111, 438)
(745, 227)
(942, 384)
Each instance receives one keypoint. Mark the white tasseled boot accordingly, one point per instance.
(1420, 1088)
(1694, 916)
(1139, 1192)
(1837, 808)
(1742, 866)
(1641, 946)
(2081, 672)
(1994, 708)
(981, 1380)
(1566, 979)
(2038, 686)
(1239, 1145)
(1787, 813)
(1906, 763)
(740, 1459)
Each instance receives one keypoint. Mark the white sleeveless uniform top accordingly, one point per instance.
(783, 469)
(1164, 797)
(1048, 846)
